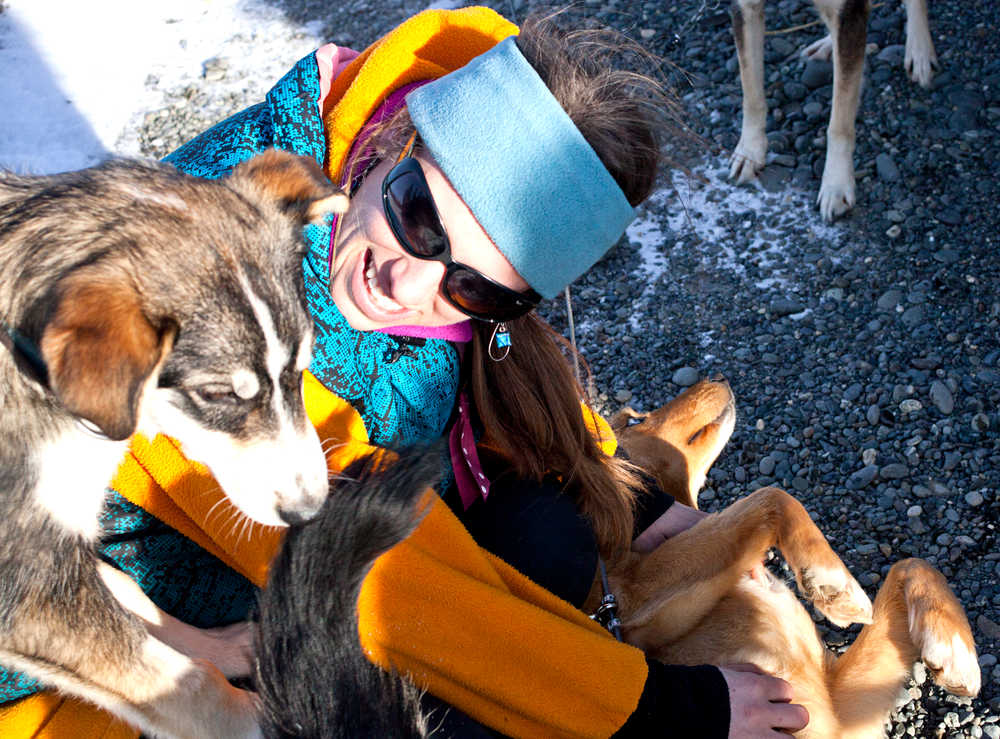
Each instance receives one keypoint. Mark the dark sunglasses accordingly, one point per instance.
(416, 224)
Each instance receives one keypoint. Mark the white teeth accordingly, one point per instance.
(381, 300)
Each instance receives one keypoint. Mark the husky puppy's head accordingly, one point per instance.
(191, 321)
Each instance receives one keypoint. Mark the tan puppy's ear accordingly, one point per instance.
(298, 183)
(101, 349)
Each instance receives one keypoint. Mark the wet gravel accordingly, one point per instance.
(864, 355)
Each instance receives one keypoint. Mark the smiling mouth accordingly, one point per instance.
(379, 299)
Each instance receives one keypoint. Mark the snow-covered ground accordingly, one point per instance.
(76, 78)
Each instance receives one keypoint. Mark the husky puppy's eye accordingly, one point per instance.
(216, 394)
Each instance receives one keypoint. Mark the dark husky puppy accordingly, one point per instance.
(312, 675)
(134, 296)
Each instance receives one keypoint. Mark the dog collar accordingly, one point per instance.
(27, 357)
(28, 360)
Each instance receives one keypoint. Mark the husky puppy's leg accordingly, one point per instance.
(230, 648)
(79, 640)
(748, 32)
(847, 21)
(916, 616)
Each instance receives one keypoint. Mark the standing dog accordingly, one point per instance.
(135, 297)
(847, 21)
(702, 597)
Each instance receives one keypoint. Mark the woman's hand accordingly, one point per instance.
(760, 705)
(677, 518)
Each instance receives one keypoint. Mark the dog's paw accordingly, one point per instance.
(836, 594)
(940, 630)
(821, 50)
(836, 192)
(948, 652)
(748, 159)
(921, 60)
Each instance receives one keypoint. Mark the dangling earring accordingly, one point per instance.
(501, 340)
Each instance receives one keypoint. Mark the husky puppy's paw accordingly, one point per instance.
(836, 594)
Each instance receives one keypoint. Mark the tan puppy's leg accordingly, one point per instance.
(916, 616)
(230, 648)
(748, 32)
(847, 21)
(921, 60)
(665, 593)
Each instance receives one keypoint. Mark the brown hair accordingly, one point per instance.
(529, 403)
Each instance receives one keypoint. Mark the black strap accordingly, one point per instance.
(26, 354)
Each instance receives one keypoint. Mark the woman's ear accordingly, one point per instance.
(297, 183)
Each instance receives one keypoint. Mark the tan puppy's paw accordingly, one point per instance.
(940, 630)
(836, 594)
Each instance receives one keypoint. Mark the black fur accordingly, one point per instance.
(312, 676)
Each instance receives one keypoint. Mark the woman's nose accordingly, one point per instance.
(415, 282)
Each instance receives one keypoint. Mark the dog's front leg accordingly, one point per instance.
(921, 60)
(748, 32)
(848, 24)
(665, 593)
(230, 648)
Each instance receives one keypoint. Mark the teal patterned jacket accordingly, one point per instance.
(404, 388)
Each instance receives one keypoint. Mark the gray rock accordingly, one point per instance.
(886, 168)
(889, 299)
(862, 478)
(894, 471)
(785, 307)
(686, 376)
(941, 397)
(817, 73)
(974, 499)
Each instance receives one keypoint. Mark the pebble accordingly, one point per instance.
(894, 471)
(974, 499)
(862, 478)
(886, 168)
(910, 405)
(686, 376)
(623, 396)
(942, 398)
(914, 511)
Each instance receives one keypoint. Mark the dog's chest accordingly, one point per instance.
(75, 469)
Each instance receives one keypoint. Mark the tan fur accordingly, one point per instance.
(702, 596)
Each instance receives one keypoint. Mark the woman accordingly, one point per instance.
(486, 172)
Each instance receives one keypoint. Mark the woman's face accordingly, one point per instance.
(376, 284)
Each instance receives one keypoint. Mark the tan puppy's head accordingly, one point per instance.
(677, 443)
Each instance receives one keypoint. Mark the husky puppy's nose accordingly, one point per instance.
(294, 517)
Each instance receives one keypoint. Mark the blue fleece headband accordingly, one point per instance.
(526, 172)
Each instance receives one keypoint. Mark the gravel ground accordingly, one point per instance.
(865, 354)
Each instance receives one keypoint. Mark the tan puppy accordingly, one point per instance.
(693, 600)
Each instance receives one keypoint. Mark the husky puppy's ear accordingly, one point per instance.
(298, 183)
(100, 348)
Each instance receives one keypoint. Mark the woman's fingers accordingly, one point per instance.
(760, 704)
